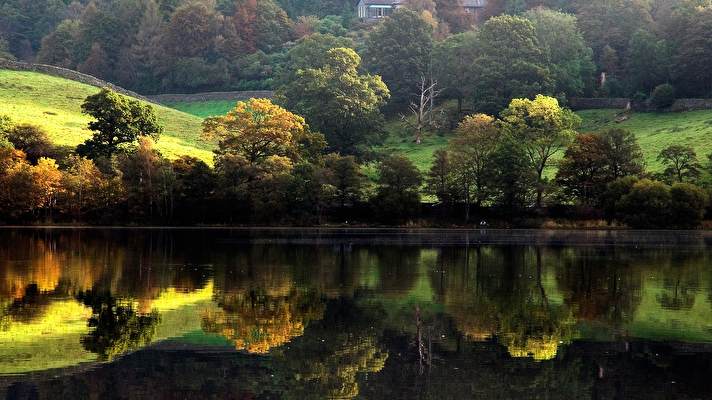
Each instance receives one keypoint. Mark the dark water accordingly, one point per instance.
(184, 314)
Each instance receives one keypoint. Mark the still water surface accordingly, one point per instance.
(284, 314)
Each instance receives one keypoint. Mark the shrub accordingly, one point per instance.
(663, 96)
(688, 204)
(647, 205)
(31, 139)
(614, 192)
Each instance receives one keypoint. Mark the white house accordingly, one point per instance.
(373, 10)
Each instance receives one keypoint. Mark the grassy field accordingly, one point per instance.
(55, 104)
(655, 131)
(204, 109)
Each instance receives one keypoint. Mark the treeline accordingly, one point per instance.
(555, 47)
(270, 167)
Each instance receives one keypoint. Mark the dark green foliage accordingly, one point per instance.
(647, 205)
(344, 174)
(687, 205)
(614, 192)
(649, 63)
(399, 50)
(693, 45)
(514, 179)
(594, 160)
(118, 121)
(338, 102)
(571, 65)
(452, 66)
(31, 139)
(398, 195)
(510, 64)
(116, 328)
(663, 96)
(439, 181)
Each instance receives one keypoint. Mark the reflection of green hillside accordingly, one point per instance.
(54, 340)
(651, 321)
(51, 341)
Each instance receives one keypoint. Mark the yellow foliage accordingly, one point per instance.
(256, 129)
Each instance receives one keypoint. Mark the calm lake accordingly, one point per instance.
(347, 314)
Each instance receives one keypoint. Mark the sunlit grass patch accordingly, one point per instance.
(55, 104)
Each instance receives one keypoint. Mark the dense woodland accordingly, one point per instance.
(516, 156)
(155, 46)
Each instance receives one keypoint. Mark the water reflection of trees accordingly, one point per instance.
(258, 322)
(267, 296)
(503, 293)
(333, 355)
(116, 328)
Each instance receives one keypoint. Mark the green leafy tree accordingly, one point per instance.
(594, 160)
(452, 66)
(398, 193)
(439, 181)
(663, 96)
(614, 192)
(259, 145)
(149, 181)
(647, 205)
(310, 52)
(561, 39)
(544, 129)
(470, 151)
(510, 64)
(339, 102)
(688, 203)
(513, 178)
(194, 187)
(399, 50)
(118, 121)
(346, 178)
(32, 140)
(61, 47)
(680, 163)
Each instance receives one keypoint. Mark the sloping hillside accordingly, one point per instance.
(655, 131)
(55, 104)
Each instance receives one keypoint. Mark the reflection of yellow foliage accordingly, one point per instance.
(540, 349)
(258, 325)
(44, 271)
(335, 373)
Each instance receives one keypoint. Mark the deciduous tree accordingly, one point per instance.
(118, 121)
(544, 129)
(680, 163)
(510, 64)
(338, 101)
(399, 50)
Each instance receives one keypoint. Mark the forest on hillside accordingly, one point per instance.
(576, 47)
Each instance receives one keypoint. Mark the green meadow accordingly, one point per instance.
(55, 104)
